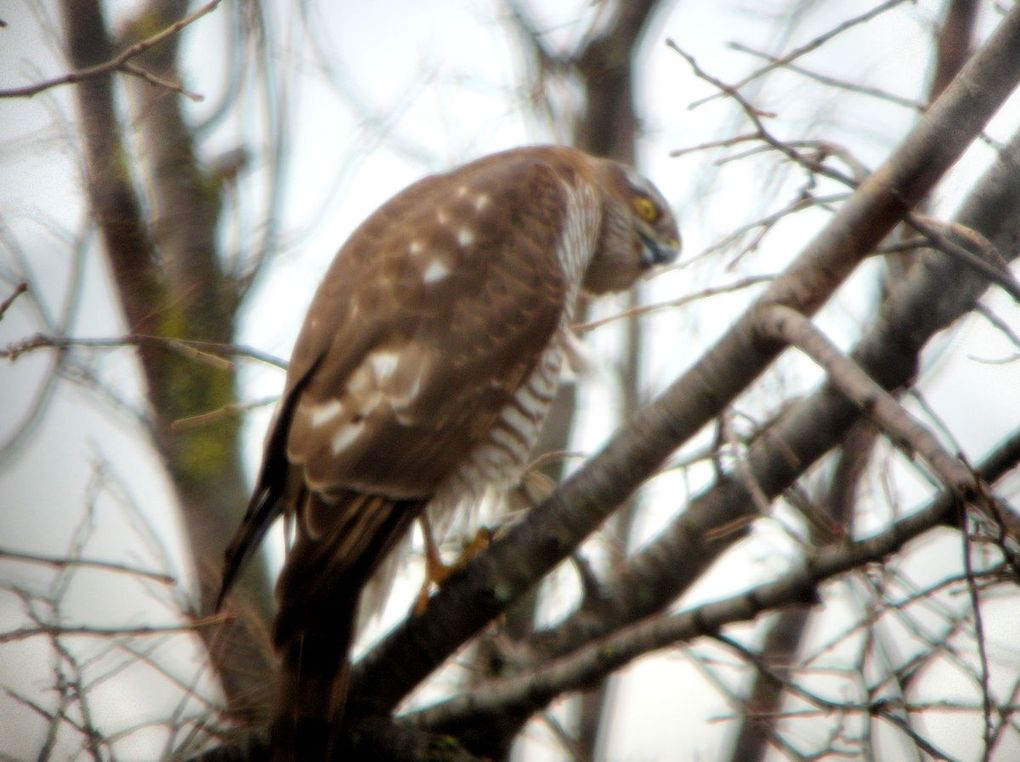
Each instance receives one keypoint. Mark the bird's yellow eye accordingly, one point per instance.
(646, 209)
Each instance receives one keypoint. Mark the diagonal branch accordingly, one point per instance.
(63, 562)
(210, 352)
(6, 303)
(531, 691)
(937, 292)
(532, 548)
(861, 389)
(120, 62)
(814, 44)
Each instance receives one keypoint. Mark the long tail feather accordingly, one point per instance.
(318, 598)
(262, 511)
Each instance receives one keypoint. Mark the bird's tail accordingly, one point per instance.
(338, 547)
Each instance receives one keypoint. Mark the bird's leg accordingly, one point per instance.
(436, 570)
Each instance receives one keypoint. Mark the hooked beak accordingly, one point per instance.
(658, 252)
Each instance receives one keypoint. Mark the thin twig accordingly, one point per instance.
(743, 283)
(6, 554)
(726, 143)
(979, 638)
(755, 115)
(6, 303)
(195, 349)
(225, 411)
(152, 79)
(814, 44)
(853, 87)
(120, 63)
(786, 324)
(23, 633)
(1000, 324)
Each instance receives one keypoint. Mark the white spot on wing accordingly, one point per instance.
(462, 191)
(437, 270)
(345, 437)
(415, 247)
(324, 413)
(400, 399)
(442, 217)
(465, 237)
(481, 201)
(383, 363)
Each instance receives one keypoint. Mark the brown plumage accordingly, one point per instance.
(422, 374)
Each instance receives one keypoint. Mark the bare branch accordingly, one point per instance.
(531, 548)
(854, 87)
(194, 349)
(936, 293)
(6, 303)
(61, 562)
(205, 419)
(105, 632)
(119, 63)
(756, 116)
(705, 293)
(982, 650)
(814, 44)
(1000, 325)
(796, 588)
(907, 433)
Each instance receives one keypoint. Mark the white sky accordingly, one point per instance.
(442, 78)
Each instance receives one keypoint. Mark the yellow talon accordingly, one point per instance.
(436, 570)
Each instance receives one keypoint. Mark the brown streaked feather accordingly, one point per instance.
(318, 592)
(462, 344)
(424, 369)
(472, 324)
(341, 550)
(270, 487)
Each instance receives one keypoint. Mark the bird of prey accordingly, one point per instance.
(421, 377)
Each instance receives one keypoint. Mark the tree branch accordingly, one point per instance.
(814, 44)
(529, 692)
(63, 562)
(6, 303)
(857, 386)
(119, 62)
(532, 548)
(106, 632)
(937, 292)
(194, 349)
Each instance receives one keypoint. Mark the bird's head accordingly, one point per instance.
(638, 230)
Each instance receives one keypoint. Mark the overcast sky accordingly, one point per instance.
(424, 86)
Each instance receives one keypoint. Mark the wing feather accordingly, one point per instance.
(416, 369)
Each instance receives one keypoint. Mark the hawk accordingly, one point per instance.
(422, 374)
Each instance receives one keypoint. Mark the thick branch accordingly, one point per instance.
(529, 692)
(857, 386)
(118, 214)
(608, 124)
(937, 292)
(169, 285)
(532, 548)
